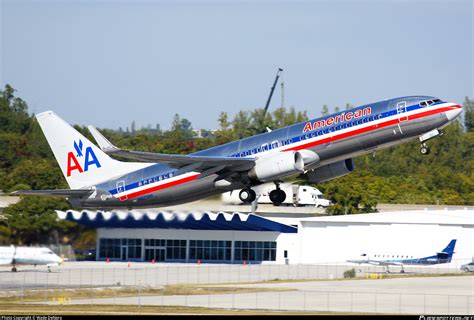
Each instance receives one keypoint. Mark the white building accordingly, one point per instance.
(233, 238)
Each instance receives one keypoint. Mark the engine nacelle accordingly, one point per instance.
(277, 166)
(330, 171)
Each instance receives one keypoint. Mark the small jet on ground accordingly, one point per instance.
(16, 256)
(385, 259)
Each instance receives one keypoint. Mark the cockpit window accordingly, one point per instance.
(429, 102)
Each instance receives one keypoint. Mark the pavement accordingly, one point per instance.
(443, 295)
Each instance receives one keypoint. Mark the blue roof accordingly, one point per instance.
(166, 220)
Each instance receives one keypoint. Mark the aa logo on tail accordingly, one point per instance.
(89, 158)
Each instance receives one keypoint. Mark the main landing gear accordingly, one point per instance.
(277, 196)
(247, 195)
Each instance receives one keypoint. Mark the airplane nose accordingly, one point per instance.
(454, 112)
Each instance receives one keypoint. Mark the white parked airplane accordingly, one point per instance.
(15, 256)
(385, 259)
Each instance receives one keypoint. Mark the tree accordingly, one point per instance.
(468, 114)
(33, 220)
(325, 110)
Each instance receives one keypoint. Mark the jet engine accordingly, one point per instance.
(277, 166)
(330, 171)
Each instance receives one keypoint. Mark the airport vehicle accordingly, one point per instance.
(16, 256)
(391, 259)
(468, 267)
(297, 195)
(317, 150)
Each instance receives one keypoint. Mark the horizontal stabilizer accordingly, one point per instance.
(173, 160)
(73, 193)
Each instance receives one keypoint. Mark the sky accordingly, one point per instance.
(107, 63)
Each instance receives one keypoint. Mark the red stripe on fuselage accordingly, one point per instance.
(156, 188)
(371, 128)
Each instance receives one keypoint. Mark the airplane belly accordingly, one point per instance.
(182, 193)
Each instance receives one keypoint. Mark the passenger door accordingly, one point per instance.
(121, 188)
(402, 111)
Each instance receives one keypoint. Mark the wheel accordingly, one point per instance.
(14, 269)
(465, 269)
(424, 150)
(277, 196)
(247, 195)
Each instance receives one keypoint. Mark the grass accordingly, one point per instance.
(96, 293)
(143, 310)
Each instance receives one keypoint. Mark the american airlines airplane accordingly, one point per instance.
(317, 150)
(391, 259)
(16, 256)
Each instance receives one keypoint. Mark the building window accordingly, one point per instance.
(134, 248)
(109, 248)
(175, 249)
(165, 249)
(255, 250)
(210, 250)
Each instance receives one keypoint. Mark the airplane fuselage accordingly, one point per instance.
(333, 138)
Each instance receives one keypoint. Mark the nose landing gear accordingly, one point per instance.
(424, 150)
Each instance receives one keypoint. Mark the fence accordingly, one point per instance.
(104, 274)
(146, 281)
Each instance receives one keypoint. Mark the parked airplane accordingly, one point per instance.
(317, 150)
(16, 256)
(384, 259)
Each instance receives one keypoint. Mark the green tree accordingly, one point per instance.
(34, 220)
(468, 107)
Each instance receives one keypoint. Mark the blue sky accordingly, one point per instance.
(107, 63)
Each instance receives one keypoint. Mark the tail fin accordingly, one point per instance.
(82, 163)
(446, 255)
(450, 248)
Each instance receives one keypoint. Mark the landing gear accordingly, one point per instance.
(247, 195)
(424, 150)
(277, 196)
(49, 268)
(14, 269)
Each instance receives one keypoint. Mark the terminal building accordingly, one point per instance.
(235, 238)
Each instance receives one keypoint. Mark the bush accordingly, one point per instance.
(351, 273)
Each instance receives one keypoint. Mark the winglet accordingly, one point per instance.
(102, 141)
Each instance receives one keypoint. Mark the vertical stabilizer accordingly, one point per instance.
(82, 163)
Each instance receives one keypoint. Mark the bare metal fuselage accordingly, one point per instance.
(391, 122)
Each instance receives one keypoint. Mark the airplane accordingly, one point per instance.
(316, 150)
(16, 256)
(387, 260)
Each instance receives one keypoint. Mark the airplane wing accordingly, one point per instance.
(375, 262)
(73, 193)
(201, 163)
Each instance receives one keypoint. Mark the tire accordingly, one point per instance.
(277, 196)
(424, 150)
(247, 195)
